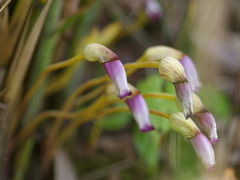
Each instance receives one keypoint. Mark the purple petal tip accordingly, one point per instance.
(212, 168)
(191, 72)
(213, 140)
(125, 94)
(147, 128)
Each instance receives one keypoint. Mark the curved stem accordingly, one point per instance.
(45, 73)
(38, 82)
(70, 101)
(27, 130)
(72, 127)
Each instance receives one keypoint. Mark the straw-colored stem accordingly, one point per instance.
(26, 131)
(161, 96)
(38, 83)
(45, 73)
(140, 65)
(90, 95)
(70, 129)
(70, 101)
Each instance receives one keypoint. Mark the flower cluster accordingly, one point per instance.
(178, 69)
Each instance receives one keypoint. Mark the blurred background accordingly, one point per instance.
(36, 34)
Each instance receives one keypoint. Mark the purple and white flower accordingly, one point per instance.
(172, 70)
(204, 150)
(191, 73)
(117, 74)
(139, 109)
(114, 67)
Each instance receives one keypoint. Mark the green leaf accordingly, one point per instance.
(115, 121)
(216, 101)
(148, 148)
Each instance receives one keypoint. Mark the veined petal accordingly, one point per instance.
(117, 74)
(184, 95)
(139, 108)
(204, 150)
(191, 73)
(209, 124)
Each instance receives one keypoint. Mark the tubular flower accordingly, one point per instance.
(205, 118)
(191, 73)
(139, 109)
(200, 143)
(172, 71)
(112, 64)
(157, 53)
(204, 150)
(153, 10)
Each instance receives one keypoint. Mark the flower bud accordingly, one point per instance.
(157, 53)
(97, 52)
(172, 70)
(185, 127)
(153, 10)
(112, 65)
(205, 118)
(191, 73)
(139, 109)
(204, 150)
(200, 143)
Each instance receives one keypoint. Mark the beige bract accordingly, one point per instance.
(185, 127)
(157, 53)
(97, 52)
(197, 104)
(172, 70)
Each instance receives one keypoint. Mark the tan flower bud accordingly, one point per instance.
(172, 70)
(157, 53)
(198, 106)
(185, 127)
(97, 52)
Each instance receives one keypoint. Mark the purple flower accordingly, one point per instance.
(209, 124)
(117, 74)
(191, 73)
(153, 10)
(139, 108)
(114, 67)
(204, 150)
(184, 95)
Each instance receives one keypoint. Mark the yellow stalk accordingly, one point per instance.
(70, 129)
(70, 101)
(140, 65)
(161, 96)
